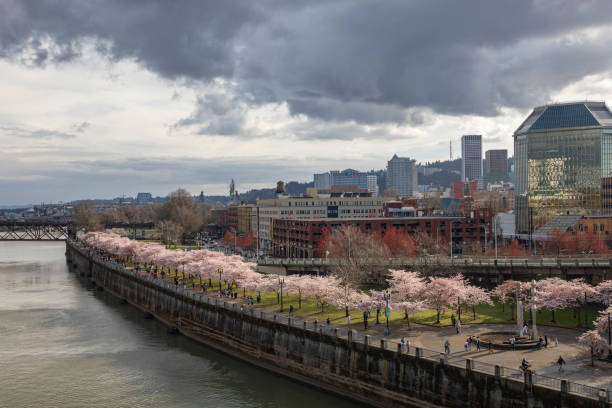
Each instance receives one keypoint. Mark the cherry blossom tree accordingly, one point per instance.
(474, 296)
(554, 294)
(440, 293)
(407, 291)
(592, 340)
(506, 293)
(604, 292)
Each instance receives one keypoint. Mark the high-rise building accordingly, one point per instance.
(402, 176)
(563, 163)
(322, 181)
(372, 183)
(496, 165)
(471, 157)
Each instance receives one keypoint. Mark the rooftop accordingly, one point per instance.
(567, 115)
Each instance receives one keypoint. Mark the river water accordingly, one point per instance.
(64, 345)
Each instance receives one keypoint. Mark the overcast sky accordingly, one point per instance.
(104, 98)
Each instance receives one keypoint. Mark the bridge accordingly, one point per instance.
(50, 228)
(487, 271)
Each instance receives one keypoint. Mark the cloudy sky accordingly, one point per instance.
(102, 98)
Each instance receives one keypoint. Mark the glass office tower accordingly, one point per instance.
(563, 163)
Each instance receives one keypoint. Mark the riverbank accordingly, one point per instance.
(372, 373)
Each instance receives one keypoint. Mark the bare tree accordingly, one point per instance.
(357, 254)
(182, 210)
(170, 232)
(86, 217)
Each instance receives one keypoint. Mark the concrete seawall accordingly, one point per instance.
(363, 372)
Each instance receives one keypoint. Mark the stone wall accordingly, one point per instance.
(363, 372)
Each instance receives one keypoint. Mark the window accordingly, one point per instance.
(601, 227)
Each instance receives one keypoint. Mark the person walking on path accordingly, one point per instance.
(447, 347)
(348, 321)
(513, 343)
(328, 321)
(477, 343)
(458, 326)
(365, 320)
(560, 362)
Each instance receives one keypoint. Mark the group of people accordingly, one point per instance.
(471, 342)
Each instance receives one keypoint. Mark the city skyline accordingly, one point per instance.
(164, 96)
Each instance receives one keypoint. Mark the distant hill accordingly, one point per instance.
(293, 188)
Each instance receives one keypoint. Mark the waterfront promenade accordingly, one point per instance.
(586, 379)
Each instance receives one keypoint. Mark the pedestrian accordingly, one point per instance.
(540, 342)
(403, 341)
(469, 342)
(258, 298)
(365, 320)
(556, 342)
(328, 321)
(453, 320)
(513, 343)
(458, 326)
(316, 322)
(447, 347)
(477, 343)
(490, 349)
(546, 341)
(560, 362)
(290, 309)
(465, 345)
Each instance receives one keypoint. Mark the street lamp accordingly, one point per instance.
(281, 282)
(220, 270)
(586, 318)
(609, 338)
(387, 296)
(459, 309)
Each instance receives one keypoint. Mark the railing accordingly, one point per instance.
(341, 331)
(531, 262)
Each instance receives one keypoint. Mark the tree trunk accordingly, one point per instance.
(346, 311)
(512, 310)
(405, 314)
(553, 316)
(407, 318)
(377, 315)
(503, 307)
(299, 298)
(438, 316)
(474, 310)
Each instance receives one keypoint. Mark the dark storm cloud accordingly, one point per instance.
(173, 38)
(364, 61)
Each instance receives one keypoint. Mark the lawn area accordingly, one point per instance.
(497, 313)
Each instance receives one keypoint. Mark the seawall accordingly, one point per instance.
(365, 372)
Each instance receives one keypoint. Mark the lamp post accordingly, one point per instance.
(281, 282)
(586, 316)
(609, 338)
(459, 309)
(387, 296)
(220, 270)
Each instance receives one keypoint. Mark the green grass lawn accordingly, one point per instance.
(497, 313)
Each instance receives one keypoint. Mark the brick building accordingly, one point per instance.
(302, 238)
